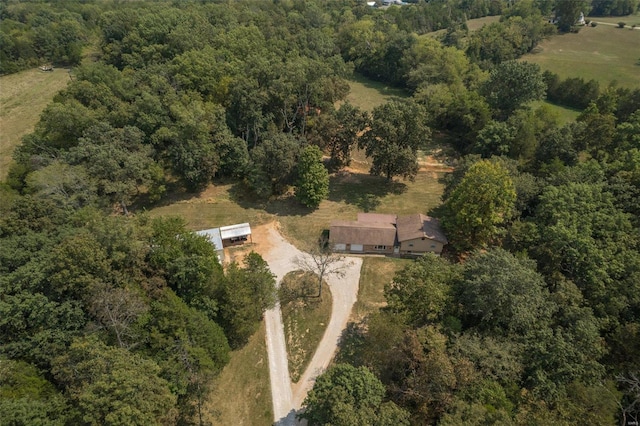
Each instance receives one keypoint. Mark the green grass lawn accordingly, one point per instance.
(305, 318)
(476, 24)
(603, 53)
(376, 272)
(367, 94)
(23, 97)
(629, 19)
(566, 114)
(242, 392)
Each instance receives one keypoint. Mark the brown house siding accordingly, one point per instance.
(420, 245)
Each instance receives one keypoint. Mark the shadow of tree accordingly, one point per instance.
(350, 344)
(395, 93)
(174, 193)
(362, 190)
(284, 205)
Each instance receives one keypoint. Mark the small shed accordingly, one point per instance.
(215, 238)
(235, 234)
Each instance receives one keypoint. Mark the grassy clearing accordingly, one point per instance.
(603, 53)
(242, 394)
(376, 272)
(217, 206)
(566, 114)
(476, 24)
(305, 318)
(629, 19)
(472, 24)
(367, 94)
(350, 193)
(23, 97)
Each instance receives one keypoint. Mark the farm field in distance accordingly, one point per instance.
(629, 19)
(603, 53)
(23, 97)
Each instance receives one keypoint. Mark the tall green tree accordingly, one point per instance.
(503, 293)
(28, 398)
(111, 386)
(247, 292)
(118, 162)
(338, 132)
(396, 131)
(313, 178)
(345, 395)
(422, 290)
(511, 84)
(478, 206)
(273, 163)
(568, 12)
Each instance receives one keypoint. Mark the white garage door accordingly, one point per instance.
(357, 247)
(340, 247)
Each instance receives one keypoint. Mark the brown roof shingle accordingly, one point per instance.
(377, 218)
(419, 226)
(366, 233)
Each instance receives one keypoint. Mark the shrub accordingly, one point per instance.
(621, 24)
(594, 24)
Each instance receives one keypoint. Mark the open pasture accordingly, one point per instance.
(23, 97)
(603, 53)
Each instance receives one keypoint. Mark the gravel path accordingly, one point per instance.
(287, 399)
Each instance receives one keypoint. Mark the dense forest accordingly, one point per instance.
(113, 317)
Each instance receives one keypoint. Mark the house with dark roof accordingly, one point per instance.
(388, 234)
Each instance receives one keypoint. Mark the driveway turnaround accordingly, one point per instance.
(287, 399)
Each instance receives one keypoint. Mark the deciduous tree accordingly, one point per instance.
(396, 131)
(313, 178)
(345, 395)
(113, 386)
(512, 84)
(477, 207)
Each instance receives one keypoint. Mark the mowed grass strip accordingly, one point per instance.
(23, 97)
(603, 53)
(376, 272)
(242, 392)
(305, 318)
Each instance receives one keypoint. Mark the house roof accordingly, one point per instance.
(377, 218)
(234, 231)
(214, 236)
(419, 226)
(366, 233)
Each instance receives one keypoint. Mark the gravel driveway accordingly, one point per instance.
(287, 399)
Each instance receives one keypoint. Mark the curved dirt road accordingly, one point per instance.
(287, 399)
